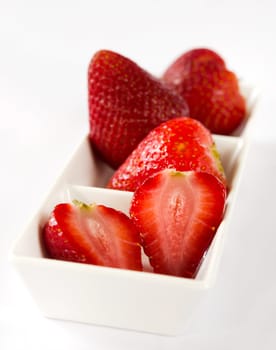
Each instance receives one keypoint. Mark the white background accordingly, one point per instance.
(45, 48)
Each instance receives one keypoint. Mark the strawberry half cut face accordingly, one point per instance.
(177, 215)
(92, 234)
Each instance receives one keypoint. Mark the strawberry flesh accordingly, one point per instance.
(92, 234)
(177, 215)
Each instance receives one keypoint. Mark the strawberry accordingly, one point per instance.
(177, 214)
(211, 91)
(180, 143)
(92, 234)
(125, 103)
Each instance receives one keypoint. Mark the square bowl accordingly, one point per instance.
(110, 296)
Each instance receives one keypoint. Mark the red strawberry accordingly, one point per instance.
(177, 214)
(125, 103)
(211, 91)
(92, 234)
(181, 143)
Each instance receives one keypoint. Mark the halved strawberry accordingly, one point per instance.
(92, 234)
(125, 103)
(200, 76)
(180, 143)
(177, 214)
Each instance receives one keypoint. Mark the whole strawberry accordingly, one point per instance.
(212, 92)
(125, 103)
(177, 215)
(180, 143)
(92, 234)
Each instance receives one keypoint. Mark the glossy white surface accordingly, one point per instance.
(44, 53)
(108, 296)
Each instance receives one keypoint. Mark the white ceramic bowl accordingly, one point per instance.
(141, 301)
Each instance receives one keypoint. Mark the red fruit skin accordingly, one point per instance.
(196, 60)
(125, 103)
(177, 215)
(96, 235)
(211, 91)
(180, 143)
